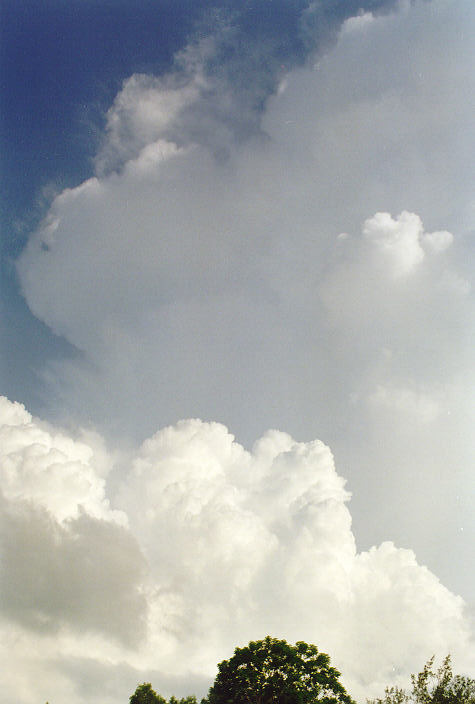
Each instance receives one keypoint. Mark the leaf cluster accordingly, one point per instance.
(433, 687)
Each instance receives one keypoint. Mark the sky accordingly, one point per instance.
(236, 330)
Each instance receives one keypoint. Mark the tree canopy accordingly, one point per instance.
(433, 687)
(271, 670)
(144, 694)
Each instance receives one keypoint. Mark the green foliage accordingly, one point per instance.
(433, 687)
(272, 671)
(144, 694)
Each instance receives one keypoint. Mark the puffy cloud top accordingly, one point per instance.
(48, 468)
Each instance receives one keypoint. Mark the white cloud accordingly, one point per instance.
(357, 23)
(416, 406)
(49, 469)
(180, 248)
(238, 544)
(438, 241)
(64, 550)
(144, 111)
(397, 242)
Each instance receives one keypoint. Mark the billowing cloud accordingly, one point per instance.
(218, 85)
(210, 283)
(197, 256)
(49, 469)
(238, 544)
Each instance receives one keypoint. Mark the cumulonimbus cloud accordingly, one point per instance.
(213, 282)
(198, 256)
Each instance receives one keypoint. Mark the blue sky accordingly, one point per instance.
(236, 273)
(63, 63)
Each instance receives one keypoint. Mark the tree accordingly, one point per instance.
(433, 687)
(144, 694)
(272, 671)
